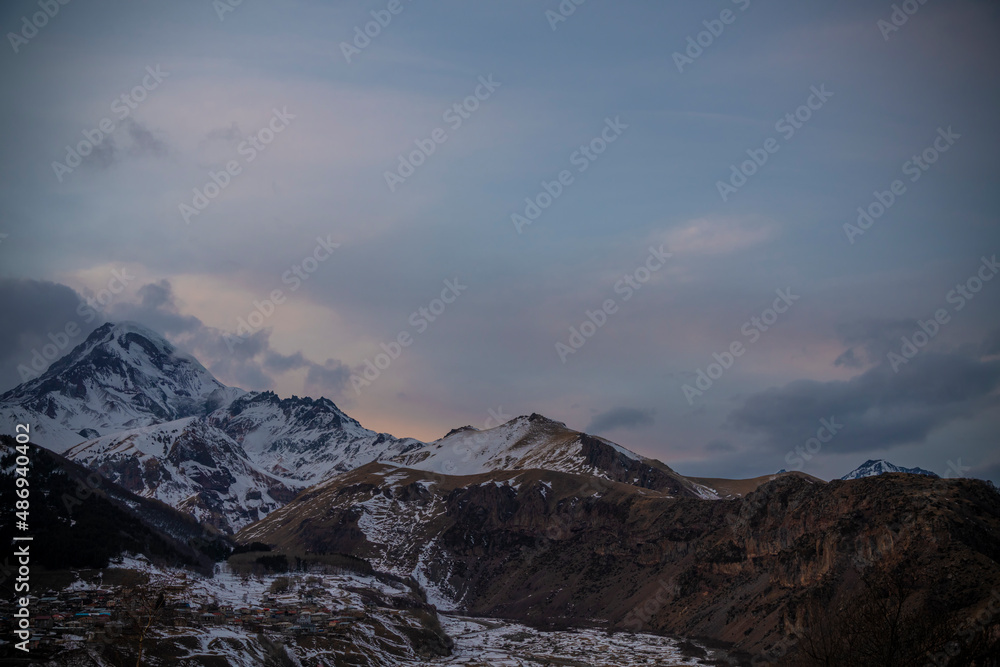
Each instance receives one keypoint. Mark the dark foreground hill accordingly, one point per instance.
(78, 519)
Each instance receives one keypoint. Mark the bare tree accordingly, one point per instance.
(886, 624)
(139, 608)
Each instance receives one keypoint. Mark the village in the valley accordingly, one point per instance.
(145, 600)
(365, 619)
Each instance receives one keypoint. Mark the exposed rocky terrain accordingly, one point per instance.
(78, 519)
(562, 548)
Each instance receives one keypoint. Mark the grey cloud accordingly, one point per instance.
(38, 311)
(284, 362)
(157, 310)
(223, 134)
(142, 141)
(35, 313)
(878, 408)
(331, 377)
(626, 418)
(991, 345)
(243, 374)
(103, 154)
(130, 139)
(248, 362)
(155, 295)
(870, 340)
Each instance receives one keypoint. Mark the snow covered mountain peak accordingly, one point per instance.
(871, 468)
(528, 441)
(127, 356)
(537, 442)
(303, 439)
(122, 376)
(128, 403)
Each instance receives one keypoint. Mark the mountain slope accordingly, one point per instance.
(534, 441)
(563, 548)
(192, 467)
(871, 468)
(79, 519)
(127, 403)
(736, 488)
(396, 517)
(122, 376)
(240, 463)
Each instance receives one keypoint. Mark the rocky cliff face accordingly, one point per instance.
(552, 547)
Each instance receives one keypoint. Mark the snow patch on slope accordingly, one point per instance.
(871, 468)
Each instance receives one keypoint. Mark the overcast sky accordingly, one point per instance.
(270, 147)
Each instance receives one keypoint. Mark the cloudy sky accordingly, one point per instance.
(626, 216)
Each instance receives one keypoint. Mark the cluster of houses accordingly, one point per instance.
(69, 616)
(271, 616)
(101, 615)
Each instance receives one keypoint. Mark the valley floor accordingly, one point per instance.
(505, 644)
(299, 619)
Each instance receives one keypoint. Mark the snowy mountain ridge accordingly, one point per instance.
(523, 442)
(536, 442)
(191, 466)
(303, 440)
(871, 468)
(127, 403)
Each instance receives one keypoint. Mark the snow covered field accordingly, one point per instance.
(504, 644)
